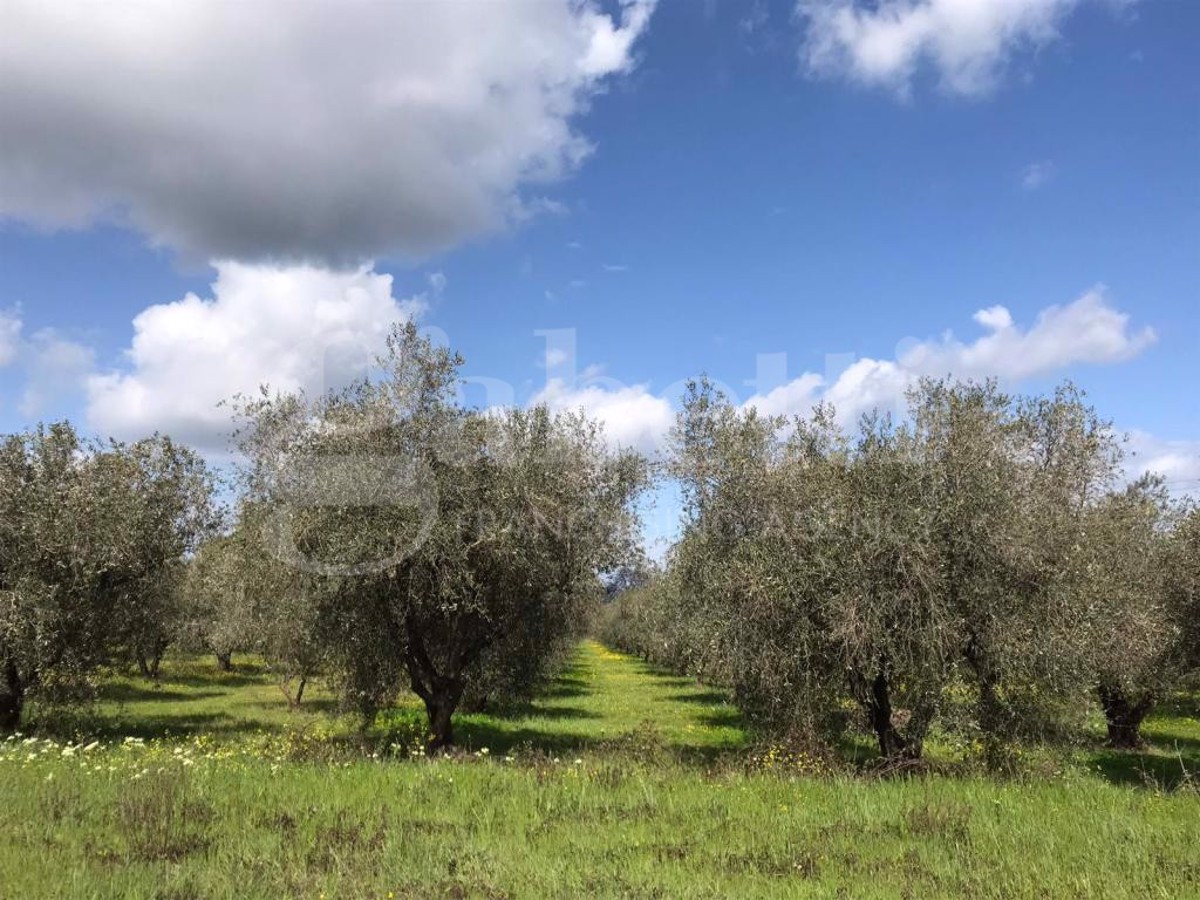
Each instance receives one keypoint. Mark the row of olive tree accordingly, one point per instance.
(93, 542)
(979, 547)
(392, 538)
(387, 537)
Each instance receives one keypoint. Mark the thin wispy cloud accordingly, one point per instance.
(555, 357)
(754, 20)
(1037, 174)
(51, 366)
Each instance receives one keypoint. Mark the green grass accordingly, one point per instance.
(1172, 754)
(192, 697)
(606, 698)
(620, 782)
(602, 698)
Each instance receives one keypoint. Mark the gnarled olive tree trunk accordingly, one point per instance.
(874, 696)
(12, 697)
(150, 662)
(1124, 714)
(294, 698)
(440, 705)
(441, 691)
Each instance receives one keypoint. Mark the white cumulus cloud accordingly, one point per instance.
(968, 43)
(799, 394)
(289, 327)
(298, 130)
(1087, 331)
(1177, 461)
(630, 414)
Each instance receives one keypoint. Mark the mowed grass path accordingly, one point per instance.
(577, 797)
(606, 698)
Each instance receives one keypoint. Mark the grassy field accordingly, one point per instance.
(619, 782)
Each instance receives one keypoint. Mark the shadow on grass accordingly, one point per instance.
(535, 710)
(1164, 740)
(475, 733)
(1172, 754)
(665, 679)
(700, 696)
(729, 717)
(1147, 770)
(147, 727)
(310, 705)
(565, 690)
(132, 693)
(216, 679)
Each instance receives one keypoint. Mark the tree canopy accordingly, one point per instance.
(92, 542)
(444, 547)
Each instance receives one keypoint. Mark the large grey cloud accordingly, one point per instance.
(297, 129)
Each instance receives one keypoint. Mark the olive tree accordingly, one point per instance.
(1014, 479)
(242, 599)
(447, 545)
(722, 459)
(1184, 583)
(1137, 646)
(218, 616)
(896, 635)
(92, 538)
(893, 562)
(1143, 575)
(807, 569)
(170, 510)
(645, 622)
(811, 556)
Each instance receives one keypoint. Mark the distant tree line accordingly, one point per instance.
(977, 565)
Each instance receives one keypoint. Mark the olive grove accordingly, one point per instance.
(976, 564)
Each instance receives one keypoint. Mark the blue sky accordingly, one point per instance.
(681, 188)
